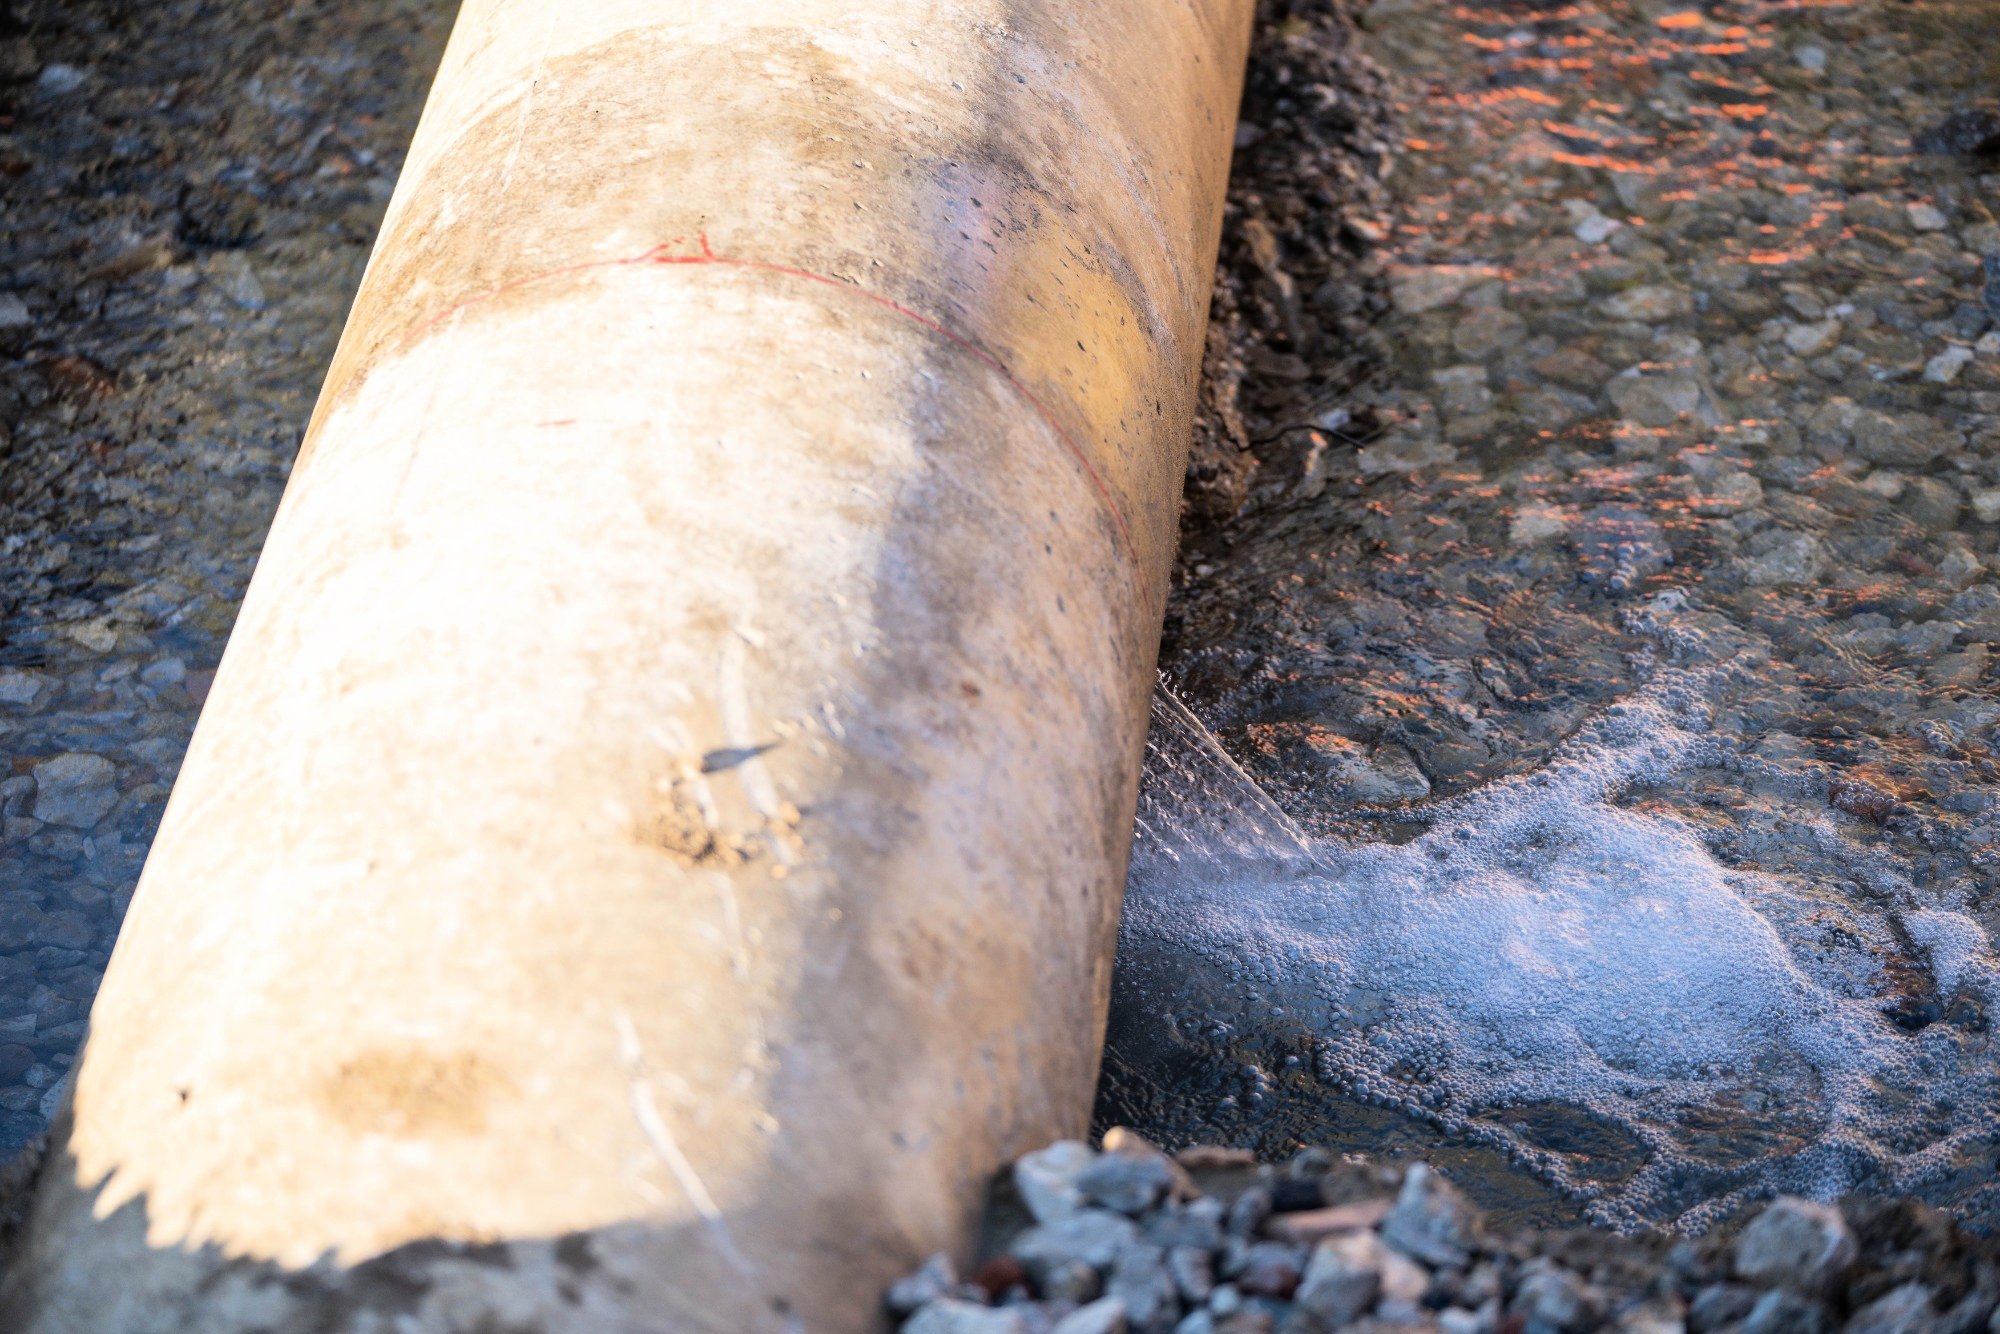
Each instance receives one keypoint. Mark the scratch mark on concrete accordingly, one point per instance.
(668, 1150)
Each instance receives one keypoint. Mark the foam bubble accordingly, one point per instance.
(1550, 940)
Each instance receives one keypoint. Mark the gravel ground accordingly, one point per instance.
(1208, 1242)
(1634, 354)
(190, 190)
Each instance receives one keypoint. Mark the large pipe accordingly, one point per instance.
(654, 842)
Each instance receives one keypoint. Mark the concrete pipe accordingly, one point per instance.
(654, 842)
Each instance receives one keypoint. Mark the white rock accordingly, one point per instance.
(75, 790)
(1945, 366)
(936, 1277)
(1926, 218)
(1811, 59)
(1422, 288)
(1537, 522)
(165, 672)
(1104, 1316)
(1795, 1243)
(1046, 1179)
(1649, 304)
(1886, 483)
(1596, 229)
(956, 1317)
(1986, 506)
(1903, 1310)
(1988, 344)
(1343, 1278)
(13, 311)
(1809, 340)
(61, 79)
(95, 635)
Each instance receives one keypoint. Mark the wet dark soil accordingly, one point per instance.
(189, 190)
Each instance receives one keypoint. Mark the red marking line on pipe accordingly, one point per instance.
(669, 255)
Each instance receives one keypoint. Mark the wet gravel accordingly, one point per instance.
(189, 192)
(1689, 305)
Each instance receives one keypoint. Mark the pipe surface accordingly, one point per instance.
(654, 843)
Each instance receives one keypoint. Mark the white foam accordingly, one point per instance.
(1957, 947)
(1548, 942)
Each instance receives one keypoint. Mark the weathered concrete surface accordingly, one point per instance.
(654, 840)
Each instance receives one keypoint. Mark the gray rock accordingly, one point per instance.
(52, 1098)
(19, 688)
(1810, 340)
(950, 1316)
(1430, 1219)
(1106, 1316)
(1780, 556)
(1944, 368)
(1931, 504)
(1131, 1177)
(1661, 400)
(1197, 1224)
(1552, 1300)
(65, 929)
(1458, 1320)
(75, 790)
(1796, 1244)
(932, 1280)
(1908, 440)
(1193, 1272)
(1903, 1310)
(1782, 1312)
(13, 312)
(1093, 1236)
(1720, 1304)
(1421, 289)
(1342, 1279)
(1047, 1179)
(1487, 332)
(1350, 773)
(166, 672)
(1073, 1281)
(1140, 1283)
(1249, 1211)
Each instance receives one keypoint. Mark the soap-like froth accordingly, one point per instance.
(1549, 940)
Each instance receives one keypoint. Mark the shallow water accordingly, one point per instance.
(1610, 671)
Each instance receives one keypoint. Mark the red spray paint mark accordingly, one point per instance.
(671, 254)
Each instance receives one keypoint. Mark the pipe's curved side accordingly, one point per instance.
(654, 842)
